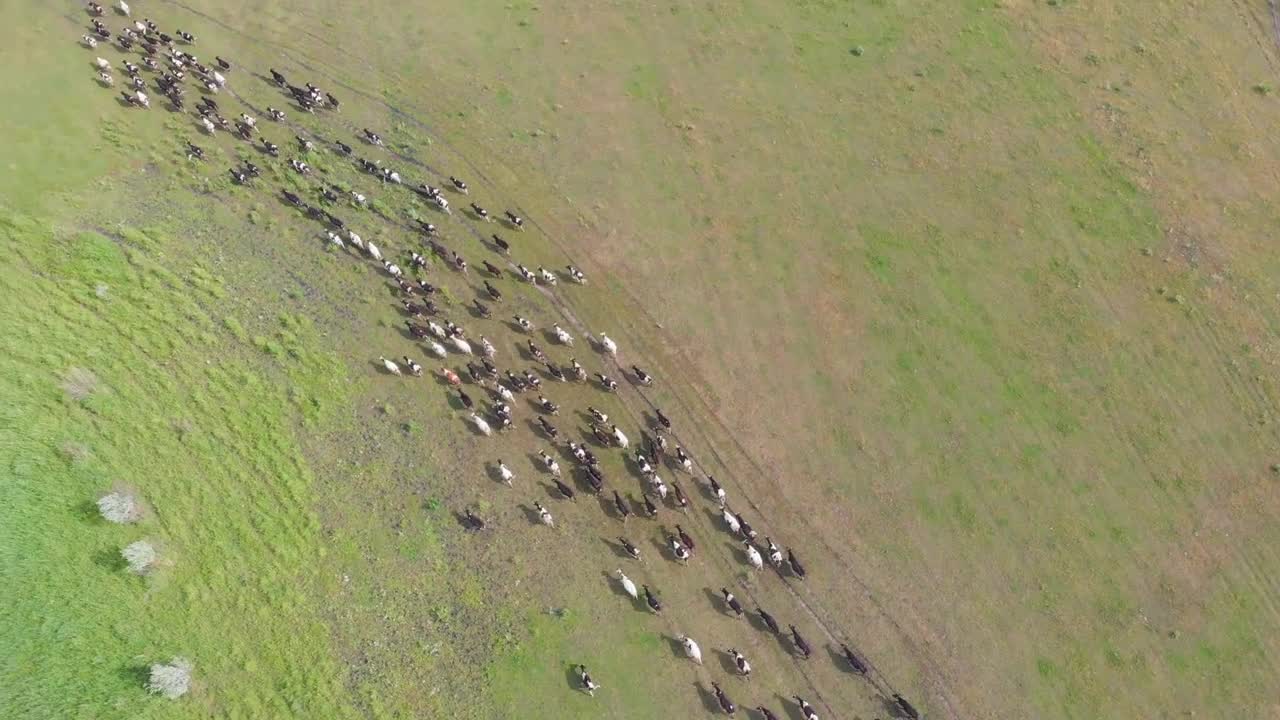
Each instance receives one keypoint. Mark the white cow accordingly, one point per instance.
(564, 337)
(544, 515)
(628, 586)
(730, 520)
(481, 424)
(609, 345)
(505, 473)
(373, 251)
(391, 367)
(691, 649)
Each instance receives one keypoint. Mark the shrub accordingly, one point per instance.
(171, 679)
(141, 556)
(79, 383)
(120, 507)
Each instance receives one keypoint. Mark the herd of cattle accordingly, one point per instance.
(174, 71)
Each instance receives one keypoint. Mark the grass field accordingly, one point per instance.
(971, 302)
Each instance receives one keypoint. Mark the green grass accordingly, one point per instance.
(206, 436)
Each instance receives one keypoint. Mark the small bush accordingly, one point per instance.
(76, 453)
(140, 556)
(171, 679)
(79, 383)
(120, 507)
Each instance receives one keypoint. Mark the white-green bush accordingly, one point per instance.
(120, 507)
(171, 679)
(141, 556)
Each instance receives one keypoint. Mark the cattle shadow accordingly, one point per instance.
(536, 429)
(615, 585)
(757, 623)
(617, 549)
(456, 403)
(716, 519)
(589, 437)
(87, 511)
(704, 489)
(110, 559)
(571, 678)
(674, 465)
(535, 461)
(616, 511)
(468, 212)
(514, 327)
(717, 601)
(891, 707)
(554, 493)
(477, 432)
(726, 662)
(136, 674)
(461, 518)
(677, 492)
(525, 354)
(839, 660)
(708, 698)
(790, 707)
(530, 514)
(660, 548)
(606, 505)
(636, 507)
(544, 369)
(676, 647)
(284, 202)
(493, 246)
(739, 553)
(633, 467)
(492, 472)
